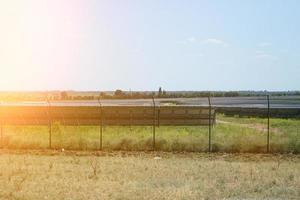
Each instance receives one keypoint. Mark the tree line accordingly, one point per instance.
(120, 94)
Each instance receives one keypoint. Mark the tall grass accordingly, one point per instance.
(284, 133)
(230, 134)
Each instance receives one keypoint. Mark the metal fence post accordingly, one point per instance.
(158, 116)
(209, 126)
(1, 128)
(101, 125)
(1, 132)
(268, 136)
(153, 145)
(49, 123)
(50, 134)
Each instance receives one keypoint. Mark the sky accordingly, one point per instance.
(145, 44)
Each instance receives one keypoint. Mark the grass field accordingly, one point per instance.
(230, 134)
(138, 175)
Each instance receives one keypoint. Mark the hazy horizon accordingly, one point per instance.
(90, 45)
(97, 91)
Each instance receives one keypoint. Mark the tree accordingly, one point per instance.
(119, 93)
(159, 92)
(102, 95)
(64, 95)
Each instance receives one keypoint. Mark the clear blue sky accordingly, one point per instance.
(144, 44)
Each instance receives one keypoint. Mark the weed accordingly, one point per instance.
(50, 165)
(94, 166)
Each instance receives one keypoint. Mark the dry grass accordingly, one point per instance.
(137, 175)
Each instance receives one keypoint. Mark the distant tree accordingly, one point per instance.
(159, 92)
(102, 95)
(137, 95)
(164, 93)
(64, 95)
(119, 93)
(231, 94)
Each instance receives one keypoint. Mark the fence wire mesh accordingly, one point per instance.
(240, 124)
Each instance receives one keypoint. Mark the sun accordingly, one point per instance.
(38, 42)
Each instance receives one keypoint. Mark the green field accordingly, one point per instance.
(230, 134)
(104, 175)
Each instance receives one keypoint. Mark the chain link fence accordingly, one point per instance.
(259, 125)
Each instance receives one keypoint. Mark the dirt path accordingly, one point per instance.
(258, 127)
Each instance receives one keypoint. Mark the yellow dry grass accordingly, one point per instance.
(142, 175)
